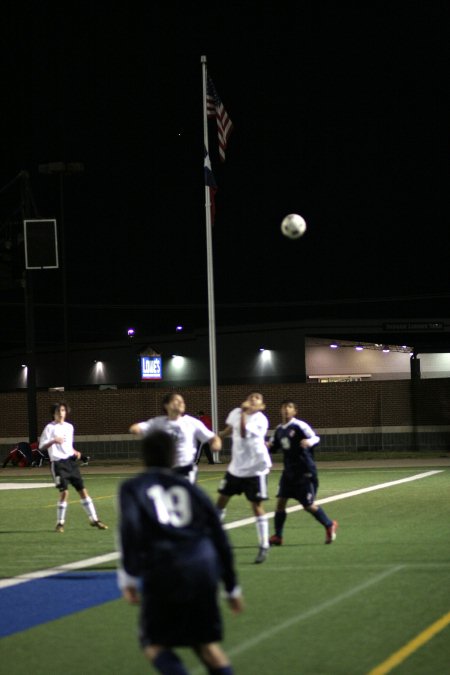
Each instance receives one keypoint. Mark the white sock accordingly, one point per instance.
(222, 514)
(262, 528)
(88, 506)
(61, 512)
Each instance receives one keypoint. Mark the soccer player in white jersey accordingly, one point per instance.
(186, 430)
(299, 479)
(250, 464)
(57, 439)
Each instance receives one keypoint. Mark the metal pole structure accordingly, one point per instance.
(29, 327)
(63, 169)
(210, 271)
(62, 230)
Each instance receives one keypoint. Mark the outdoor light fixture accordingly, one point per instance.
(359, 348)
(179, 329)
(334, 345)
(178, 361)
(130, 332)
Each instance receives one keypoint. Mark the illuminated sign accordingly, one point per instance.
(151, 368)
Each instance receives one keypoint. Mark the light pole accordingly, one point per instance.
(63, 169)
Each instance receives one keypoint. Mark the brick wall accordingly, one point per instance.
(324, 406)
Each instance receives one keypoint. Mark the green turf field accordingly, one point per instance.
(311, 609)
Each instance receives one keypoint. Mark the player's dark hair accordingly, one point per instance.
(56, 406)
(288, 401)
(167, 399)
(158, 449)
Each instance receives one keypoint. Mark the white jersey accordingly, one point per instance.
(249, 455)
(58, 451)
(187, 431)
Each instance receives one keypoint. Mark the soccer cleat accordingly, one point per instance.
(275, 540)
(59, 527)
(262, 555)
(85, 460)
(331, 532)
(99, 524)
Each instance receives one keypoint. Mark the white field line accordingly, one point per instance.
(24, 486)
(303, 616)
(108, 557)
(335, 498)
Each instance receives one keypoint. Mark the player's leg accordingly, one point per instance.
(87, 503)
(221, 505)
(256, 493)
(229, 485)
(280, 518)
(61, 510)
(262, 531)
(165, 660)
(214, 658)
(60, 479)
(307, 501)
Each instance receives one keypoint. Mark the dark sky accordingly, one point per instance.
(338, 112)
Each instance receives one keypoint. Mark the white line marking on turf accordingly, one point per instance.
(90, 562)
(335, 498)
(42, 574)
(24, 486)
(248, 644)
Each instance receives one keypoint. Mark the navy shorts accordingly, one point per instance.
(302, 488)
(254, 487)
(180, 599)
(66, 471)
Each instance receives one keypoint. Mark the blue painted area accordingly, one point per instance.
(41, 600)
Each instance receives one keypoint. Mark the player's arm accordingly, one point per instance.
(47, 439)
(205, 435)
(227, 431)
(310, 438)
(128, 572)
(141, 428)
(136, 429)
(215, 443)
(273, 443)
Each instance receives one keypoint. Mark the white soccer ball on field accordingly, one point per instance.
(293, 226)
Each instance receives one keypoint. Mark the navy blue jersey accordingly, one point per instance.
(165, 522)
(298, 461)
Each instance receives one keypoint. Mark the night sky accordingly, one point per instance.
(338, 113)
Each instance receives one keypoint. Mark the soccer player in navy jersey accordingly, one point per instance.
(299, 479)
(174, 553)
(188, 431)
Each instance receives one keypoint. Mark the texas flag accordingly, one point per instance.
(210, 182)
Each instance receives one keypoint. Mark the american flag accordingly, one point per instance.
(210, 182)
(214, 108)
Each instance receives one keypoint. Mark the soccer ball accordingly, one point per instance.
(293, 226)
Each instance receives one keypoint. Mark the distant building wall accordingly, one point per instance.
(356, 414)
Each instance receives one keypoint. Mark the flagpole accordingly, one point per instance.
(210, 275)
